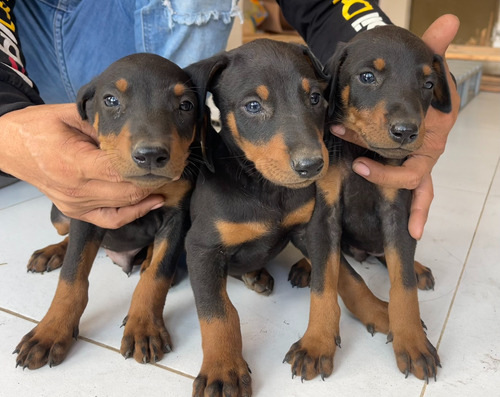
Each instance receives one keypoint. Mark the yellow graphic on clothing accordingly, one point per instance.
(347, 4)
(8, 22)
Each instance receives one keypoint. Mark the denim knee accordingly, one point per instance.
(65, 45)
(184, 31)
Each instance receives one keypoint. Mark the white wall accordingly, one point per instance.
(398, 11)
(236, 36)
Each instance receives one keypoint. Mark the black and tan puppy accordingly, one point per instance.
(145, 113)
(383, 82)
(268, 155)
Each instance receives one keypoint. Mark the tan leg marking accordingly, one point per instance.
(145, 335)
(414, 353)
(50, 340)
(361, 302)
(313, 354)
(223, 367)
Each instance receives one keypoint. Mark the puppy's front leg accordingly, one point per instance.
(145, 336)
(313, 354)
(50, 340)
(414, 353)
(224, 370)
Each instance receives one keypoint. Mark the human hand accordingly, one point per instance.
(50, 147)
(414, 174)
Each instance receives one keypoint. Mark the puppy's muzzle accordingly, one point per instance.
(151, 157)
(308, 167)
(403, 132)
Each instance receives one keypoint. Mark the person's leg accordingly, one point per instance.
(184, 31)
(68, 42)
(35, 28)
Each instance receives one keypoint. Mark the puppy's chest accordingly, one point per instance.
(175, 193)
(266, 220)
(366, 207)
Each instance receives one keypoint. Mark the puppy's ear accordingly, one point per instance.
(441, 98)
(332, 68)
(315, 63)
(207, 140)
(84, 101)
(204, 75)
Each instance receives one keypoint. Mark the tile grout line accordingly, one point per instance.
(96, 343)
(22, 202)
(424, 388)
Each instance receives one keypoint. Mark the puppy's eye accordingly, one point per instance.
(428, 85)
(367, 78)
(186, 106)
(111, 101)
(315, 98)
(253, 107)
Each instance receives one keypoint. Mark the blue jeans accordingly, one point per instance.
(68, 42)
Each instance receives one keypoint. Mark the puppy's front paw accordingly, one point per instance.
(228, 377)
(416, 355)
(310, 357)
(145, 338)
(47, 343)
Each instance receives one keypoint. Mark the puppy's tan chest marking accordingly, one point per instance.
(299, 216)
(174, 192)
(389, 194)
(330, 185)
(235, 233)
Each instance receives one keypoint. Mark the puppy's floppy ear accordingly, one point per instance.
(441, 98)
(204, 75)
(316, 64)
(207, 137)
(84, 101)
(332, 68)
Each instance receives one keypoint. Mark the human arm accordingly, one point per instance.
(50, 147)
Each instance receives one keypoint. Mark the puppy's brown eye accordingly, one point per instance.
(111, 101)
(367, 78)
(315, 98)
(186, 106)
(428, 85)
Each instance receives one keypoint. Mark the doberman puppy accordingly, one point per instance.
(265, 159)
(383, 82)
(144, 110)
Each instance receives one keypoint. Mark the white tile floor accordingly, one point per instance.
(461, 245)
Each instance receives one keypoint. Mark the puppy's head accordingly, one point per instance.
(270, 97)
(144, 111)
(383, 82)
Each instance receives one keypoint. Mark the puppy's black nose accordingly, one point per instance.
(404, 133)
(308, 167)
(150, 157)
